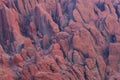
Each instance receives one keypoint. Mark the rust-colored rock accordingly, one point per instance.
(59, 39)
(17, 59)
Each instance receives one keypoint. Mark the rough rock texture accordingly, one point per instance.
(59, 39)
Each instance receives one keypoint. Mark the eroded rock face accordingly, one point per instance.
(59, 39)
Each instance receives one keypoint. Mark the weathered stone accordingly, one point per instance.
(91, 63)
(114, 55)
(17, 59)
(59, 39)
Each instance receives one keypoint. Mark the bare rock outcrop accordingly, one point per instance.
(59, 39)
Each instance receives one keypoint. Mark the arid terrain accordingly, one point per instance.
(59, 39)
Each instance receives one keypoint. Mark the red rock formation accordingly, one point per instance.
(59, 39)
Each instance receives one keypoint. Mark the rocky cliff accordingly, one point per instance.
(59, 39)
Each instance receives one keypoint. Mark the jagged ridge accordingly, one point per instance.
(59, 39)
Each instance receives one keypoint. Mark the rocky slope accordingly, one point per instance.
(59, 39)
